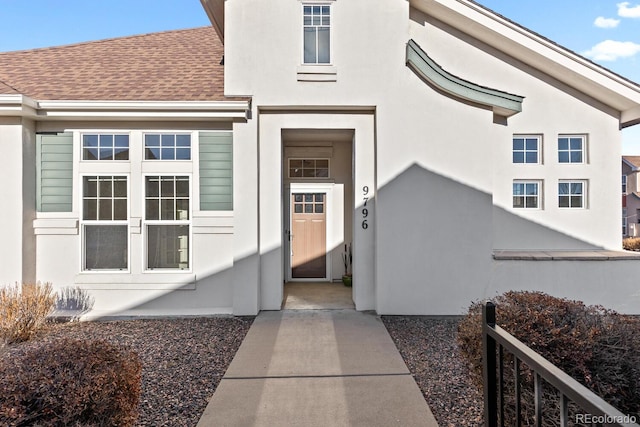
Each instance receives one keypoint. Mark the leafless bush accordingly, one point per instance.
(69, 383)
(598, 347)
(23, 310)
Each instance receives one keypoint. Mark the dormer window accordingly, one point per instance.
(317, 34)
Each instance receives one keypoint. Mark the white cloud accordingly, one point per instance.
(602, 22)
(610, 50)
(628, 12)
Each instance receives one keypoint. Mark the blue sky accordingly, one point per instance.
(606, 31)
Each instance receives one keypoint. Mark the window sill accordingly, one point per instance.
(119, 281)
(317, 73)
(595, 255)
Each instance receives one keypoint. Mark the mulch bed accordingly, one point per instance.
(429, 348)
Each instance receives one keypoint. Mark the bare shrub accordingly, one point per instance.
(598, 347)
(23, 310)
(69, 383)
(631, 244)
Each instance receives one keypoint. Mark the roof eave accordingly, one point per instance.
(123, 110)
(215, 12)
(567, 67)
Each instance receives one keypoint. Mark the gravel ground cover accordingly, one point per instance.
(183, 360)
(429, 348)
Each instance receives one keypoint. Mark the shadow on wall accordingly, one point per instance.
(434, 244)
(435, 240)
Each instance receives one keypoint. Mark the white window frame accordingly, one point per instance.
(147, 222)
(315, 159)
(624, 222)
(538, 149)
(624, 184)
(331, 32)
(174, 146)
(583, 195)
(89, 222)
(538, 195)
(569, 150)
(103, 133)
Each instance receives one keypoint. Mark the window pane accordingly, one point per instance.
(120, 187)
(297, 208)
(576, 201)
(90, 188)
(563, 201)
(319, 208)
(322, 173)
(322, 163)
(105, 207)
(183, 140)
(563, 188)
(183, 153)
(167, 209)
(106, 140)
(531, 202)
(182, 187)
(152, 153)
(576, 143)
(325, 10)
(532, 157)
(152, 209)
(105, 247)
(518, 189)
(563, 144)
(120, 210)
(518, 157)
(168, 246)
(532, 144)
(295, 173)
(576, 157)
(105, 187)
(295, 163)
(153, 186)
(90, 209)
(518, 202)
(121, 154)
(297, 197)
(316, 10)
(152, 140)
(90, 154)
(308, 198)
(308, 208)
(168, 154)
(320, 197)
(90, 140)
(518, 143)
(563, 157)
(323, 45)
(182, 209)
(532, 189)
(167, 187)
(310, 45)
(122, 141)
(106, 154)
(307, 10)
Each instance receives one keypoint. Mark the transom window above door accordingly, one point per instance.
(309, 168)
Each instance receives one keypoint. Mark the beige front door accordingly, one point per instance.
(308, 236)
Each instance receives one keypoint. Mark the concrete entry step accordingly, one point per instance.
(317, 296)
(317, 368)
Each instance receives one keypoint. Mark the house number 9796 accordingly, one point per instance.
(365, 210)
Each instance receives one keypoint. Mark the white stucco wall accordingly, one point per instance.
(443, 169)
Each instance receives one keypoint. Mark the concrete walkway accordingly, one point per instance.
(317, 368)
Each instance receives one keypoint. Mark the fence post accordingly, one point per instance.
(489, 365)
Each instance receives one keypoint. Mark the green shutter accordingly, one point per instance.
(54, 172)
(216, 171)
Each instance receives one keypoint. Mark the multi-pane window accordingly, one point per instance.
(167, 207)
(308, 168)
(104, 217)
(624, 184)
(308, 202)
(572, 194)
(624, 221)
(526, 194)
(526, 149)
(317, 34)
(167, 146)
(571, 149)
(103, 146)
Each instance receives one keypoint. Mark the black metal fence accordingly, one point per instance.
(496, 341)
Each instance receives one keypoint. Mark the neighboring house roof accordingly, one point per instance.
(181, 65)
(632, 161)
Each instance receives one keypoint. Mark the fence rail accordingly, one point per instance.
(495, 342)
